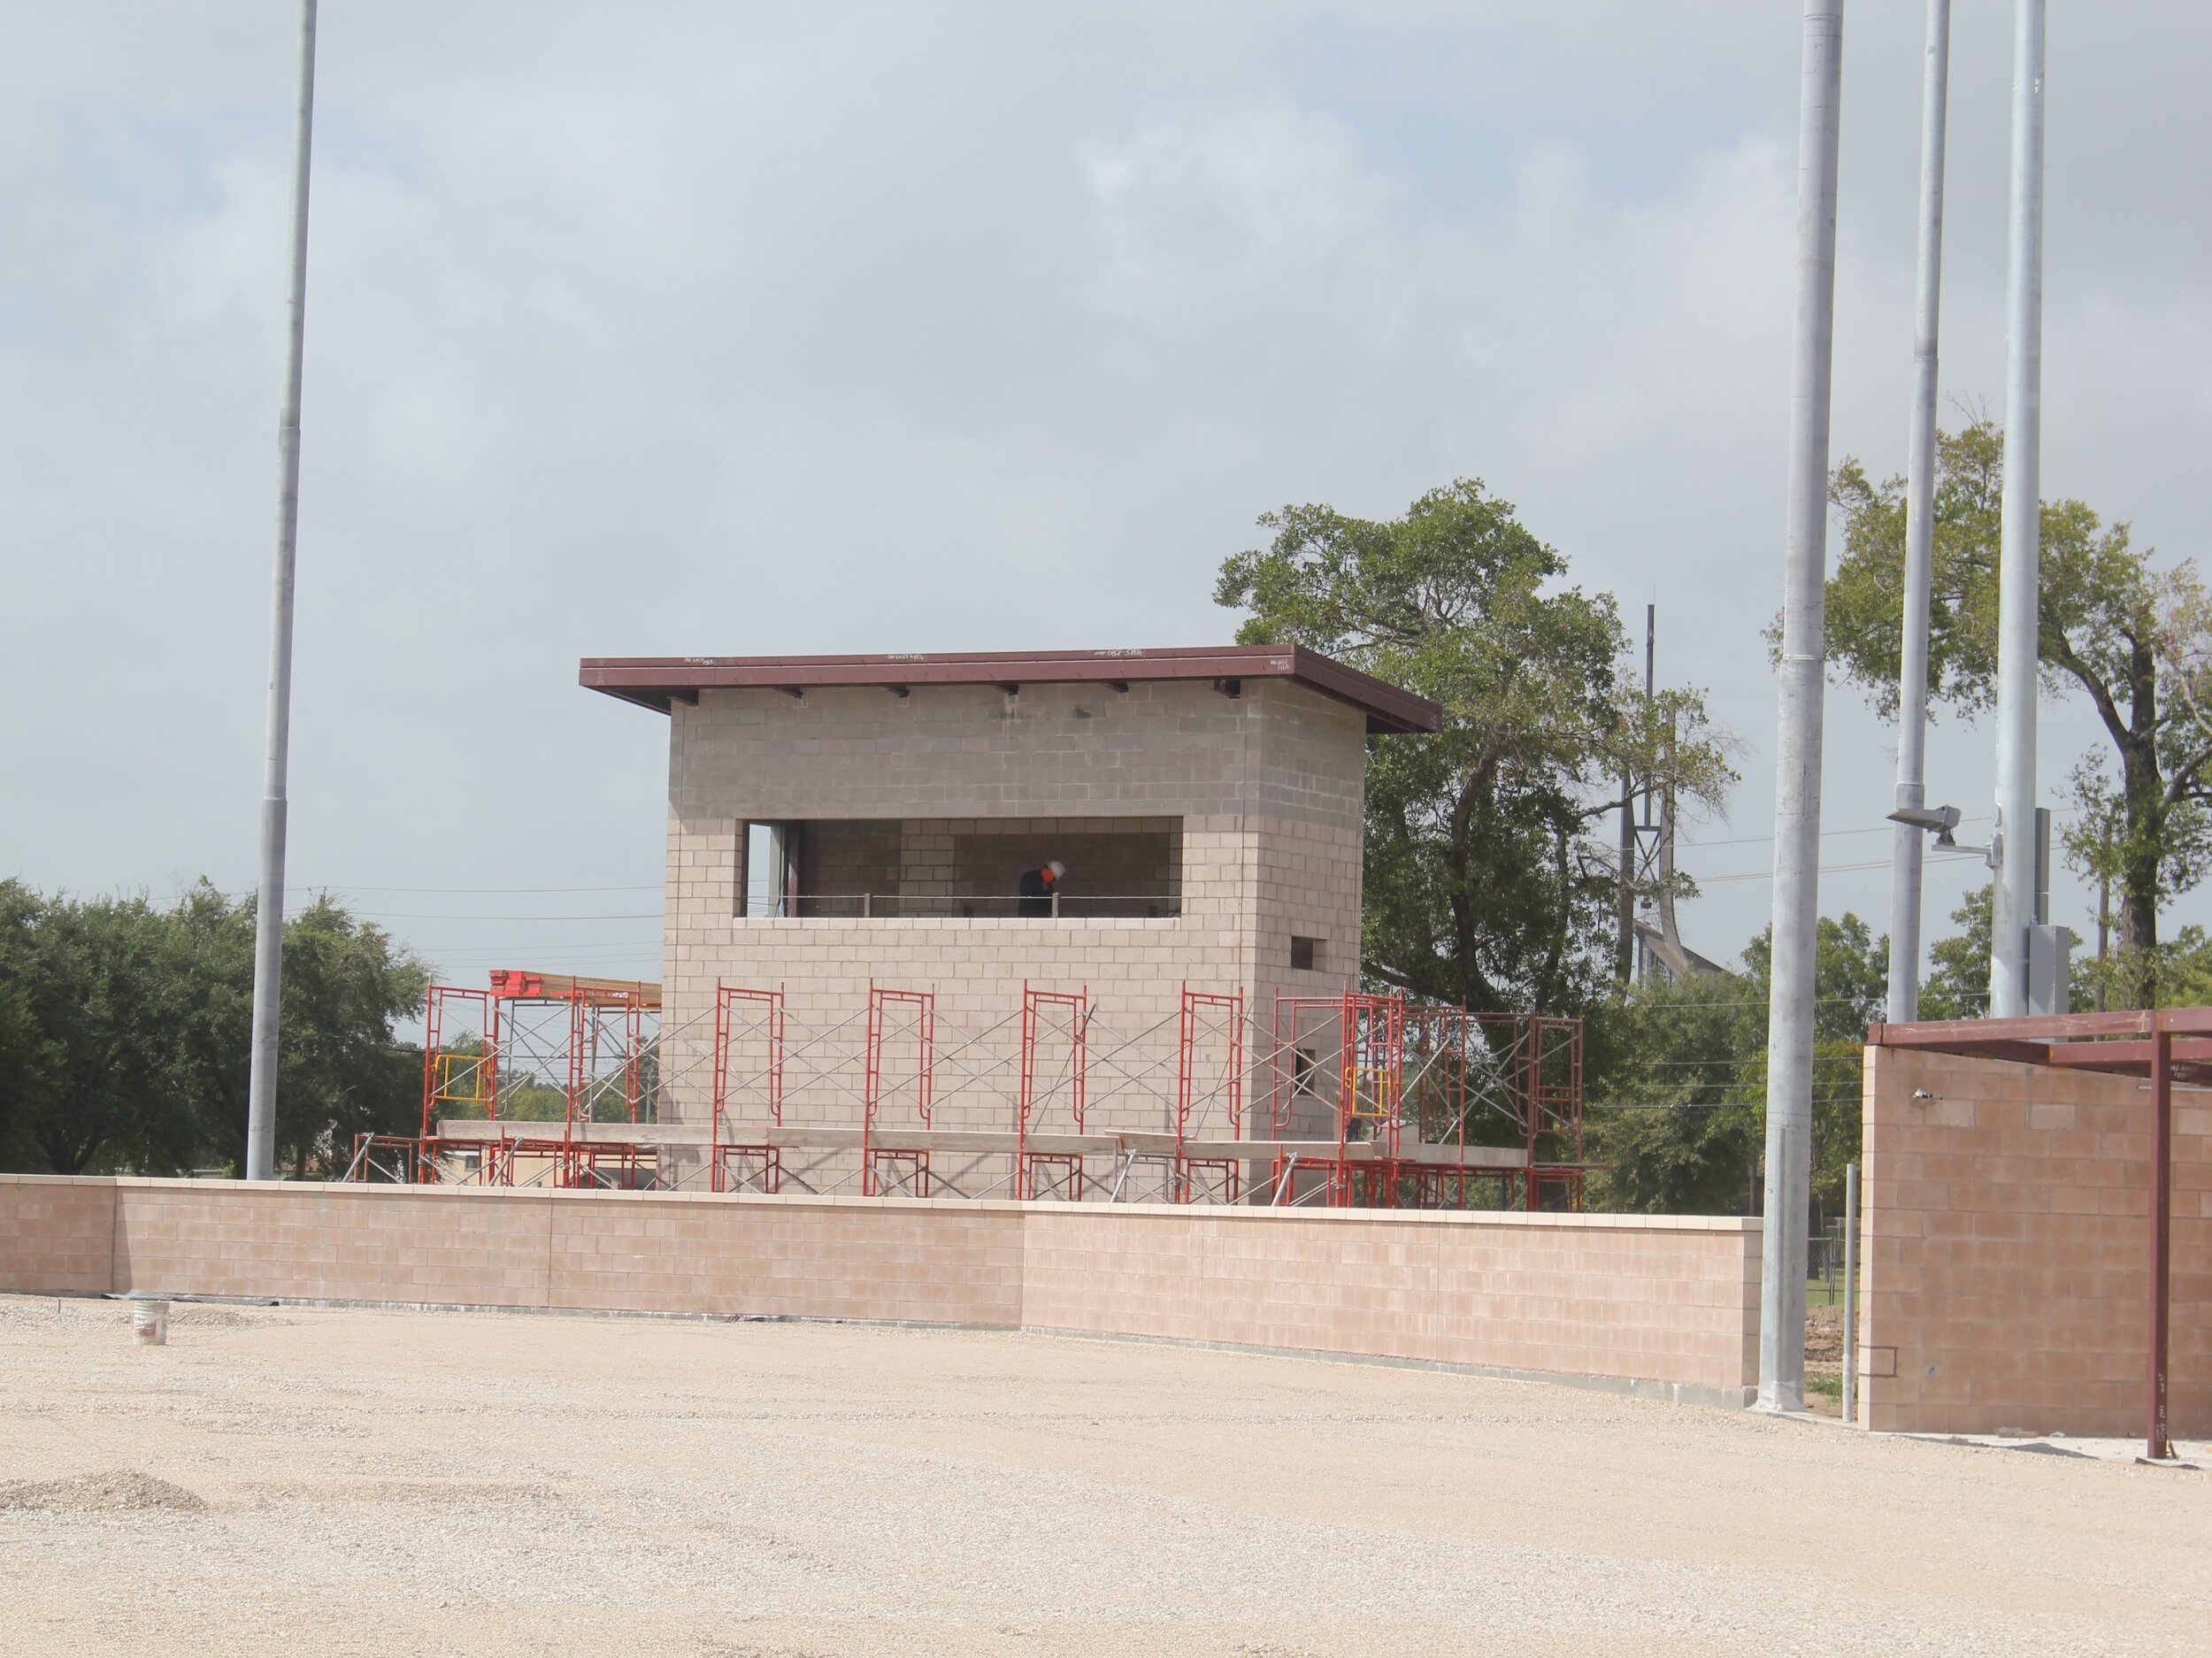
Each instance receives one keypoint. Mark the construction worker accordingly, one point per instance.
(1039, 887)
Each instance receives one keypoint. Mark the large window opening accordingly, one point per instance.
(962, 867)
(764, 868)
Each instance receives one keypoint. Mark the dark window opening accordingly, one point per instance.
(961, 867)
(1305, 954)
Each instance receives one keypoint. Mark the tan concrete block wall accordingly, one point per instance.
(2006, 1233)
(1268, 789)
(1667, 1300)
(57, 1236)
(1670, 1303)
(839, 1258)
(314, 1242)
(1054, 751)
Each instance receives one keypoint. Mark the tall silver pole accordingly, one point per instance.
(268, 952)
(2020, 571)
(1797, 748)
(1912, 671)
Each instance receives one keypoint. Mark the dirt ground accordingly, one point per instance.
(324, 1482)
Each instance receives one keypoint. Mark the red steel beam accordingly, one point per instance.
(2043, 1028)
(2156, 1446)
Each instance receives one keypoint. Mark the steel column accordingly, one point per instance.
(2156, 1443)
(1798, 745)
(268, 951)
(2020, 570)
(1909, 843)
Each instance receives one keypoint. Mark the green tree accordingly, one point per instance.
(1959, 987)
(1678, 1079)
(89, 971)
(2108, 629)
(29, 1063)
(148, 1014)
(1483, 885)
(339, 1070)
(1672, 1110)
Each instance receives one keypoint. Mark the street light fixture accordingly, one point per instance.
(1938, 821)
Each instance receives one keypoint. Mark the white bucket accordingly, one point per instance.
(149, 1324)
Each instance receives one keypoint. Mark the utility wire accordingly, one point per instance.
(1701, 1105)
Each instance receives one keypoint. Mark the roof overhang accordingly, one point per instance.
(658, 682)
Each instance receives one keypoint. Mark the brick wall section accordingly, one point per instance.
(2005, 1235)
(839, 1258)
(1669, 1304)
(312, 1243)
(1668, 1300)
(58, 1237)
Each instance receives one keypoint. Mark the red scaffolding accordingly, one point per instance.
(888, 1170)
(1051, 1173)
(1365, 1100)
(1384, 1067)
(587, 1043)
(1208, 1068)
(744, 1019)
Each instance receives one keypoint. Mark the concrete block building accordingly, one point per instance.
(839, 821)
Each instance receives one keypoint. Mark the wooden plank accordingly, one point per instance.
(982, 1143)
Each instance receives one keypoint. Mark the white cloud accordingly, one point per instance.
(661, 329)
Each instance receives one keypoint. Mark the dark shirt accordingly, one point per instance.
(1036, 889)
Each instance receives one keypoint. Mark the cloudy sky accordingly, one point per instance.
(653, 329)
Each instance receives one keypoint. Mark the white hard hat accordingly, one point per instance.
(1058, 868)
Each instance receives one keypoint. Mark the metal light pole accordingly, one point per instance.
(1912, 673)
(2020, 571)
(1790, 1005)
(268, 952)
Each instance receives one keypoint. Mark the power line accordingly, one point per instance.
(1825, 869)
(1831, 834)
(1703, 1105)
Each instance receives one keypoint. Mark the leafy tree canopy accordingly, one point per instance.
(1482, 885)
(141, 1033)
(1678, 1078)
(2135, 640)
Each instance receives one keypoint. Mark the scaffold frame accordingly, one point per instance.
(884, 1171)
(747, 1165)
(1362, 1099)
(1061, 1172)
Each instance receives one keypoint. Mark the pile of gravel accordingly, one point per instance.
(120, 1489)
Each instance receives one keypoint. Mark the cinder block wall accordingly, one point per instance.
(1669, 1298)
(1657, 1304)
(2007, 1234)
(1269, 787)
(57, 1236)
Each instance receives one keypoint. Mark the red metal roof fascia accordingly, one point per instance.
(2047, 1028)
(2119, 1042)
(2019, 1052)
(2191, 1057)
(1389, 707)
(654, 682)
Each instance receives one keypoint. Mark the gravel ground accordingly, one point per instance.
(336, 1481)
